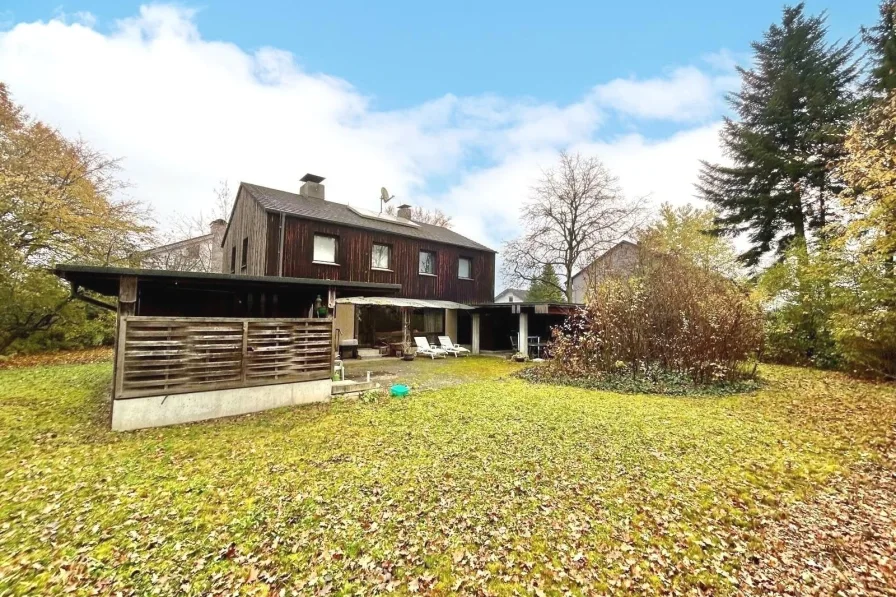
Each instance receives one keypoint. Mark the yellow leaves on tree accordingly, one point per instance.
(57, 200)
(870, 172)
(57, 197)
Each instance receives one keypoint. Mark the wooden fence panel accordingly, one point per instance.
(165, 355)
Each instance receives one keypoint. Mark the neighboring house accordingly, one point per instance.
(618, 260)
(512, 295)
(197, 254)
(302, 235)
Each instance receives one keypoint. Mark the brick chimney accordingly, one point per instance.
(311, 186)
(217, 228)
(404, 211)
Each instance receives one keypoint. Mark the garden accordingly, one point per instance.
(492, 485)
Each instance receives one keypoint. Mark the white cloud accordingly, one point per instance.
(185, 112)
(687, 94)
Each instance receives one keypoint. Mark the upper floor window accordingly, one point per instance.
(465, 268)
(381, 257)
(428, 263)
(232, 260)
(244, 258)
(324, 248)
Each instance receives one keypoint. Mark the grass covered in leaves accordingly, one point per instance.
(492, 486)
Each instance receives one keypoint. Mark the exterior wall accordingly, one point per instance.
(159, 411)
(354, 247)
(249, 220)
(198, 254)
(619, 260)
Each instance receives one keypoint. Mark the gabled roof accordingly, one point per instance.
(339, 213)
(517, 291)
(604, 255)
(187, 242)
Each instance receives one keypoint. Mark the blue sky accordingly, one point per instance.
(456, 105)
(403, 53)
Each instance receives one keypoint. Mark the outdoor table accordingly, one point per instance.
(538, 345)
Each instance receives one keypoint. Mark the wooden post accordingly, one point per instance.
(127, 305)
(280, 247)
(523, 338)
(405, 328)
(475, 336)
(244, 366)
(127, 295)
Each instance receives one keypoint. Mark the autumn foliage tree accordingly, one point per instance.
(686, 232)
(56, 197)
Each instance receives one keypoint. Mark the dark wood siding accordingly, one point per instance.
(247, 221)
(272, 259)
(353, 255)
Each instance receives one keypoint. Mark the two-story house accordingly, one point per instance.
(303, 235)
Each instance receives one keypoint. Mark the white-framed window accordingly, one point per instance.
(465, 268)
(381, 257)
(428, 263)
(324, 248)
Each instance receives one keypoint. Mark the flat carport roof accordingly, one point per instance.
(106, 280)
(535, 308)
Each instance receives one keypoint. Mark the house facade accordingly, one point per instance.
(198, 254)
(303, 235)
(618, 260)
(512, 295)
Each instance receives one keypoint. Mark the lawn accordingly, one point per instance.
(487, 486)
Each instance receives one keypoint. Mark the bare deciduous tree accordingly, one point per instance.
(435, 217)
(172, 252)
(576, 211)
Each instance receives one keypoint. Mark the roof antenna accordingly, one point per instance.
(384, 198)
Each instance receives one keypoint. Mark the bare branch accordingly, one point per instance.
(575, 212)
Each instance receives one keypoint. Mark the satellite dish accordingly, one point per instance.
(384, 197)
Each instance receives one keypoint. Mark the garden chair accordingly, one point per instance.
(424, 348)
(452, 348)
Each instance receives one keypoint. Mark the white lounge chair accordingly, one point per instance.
(424, 348)
(452, 348)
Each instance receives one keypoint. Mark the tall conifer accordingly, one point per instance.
(795, 105)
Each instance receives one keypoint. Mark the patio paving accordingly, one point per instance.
(426, 373)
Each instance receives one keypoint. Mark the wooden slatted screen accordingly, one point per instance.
(165, 355)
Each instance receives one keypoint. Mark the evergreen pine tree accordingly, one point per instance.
(881, 40)
(793, 109)
(546, 289)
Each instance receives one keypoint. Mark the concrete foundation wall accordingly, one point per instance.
(159, 411)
